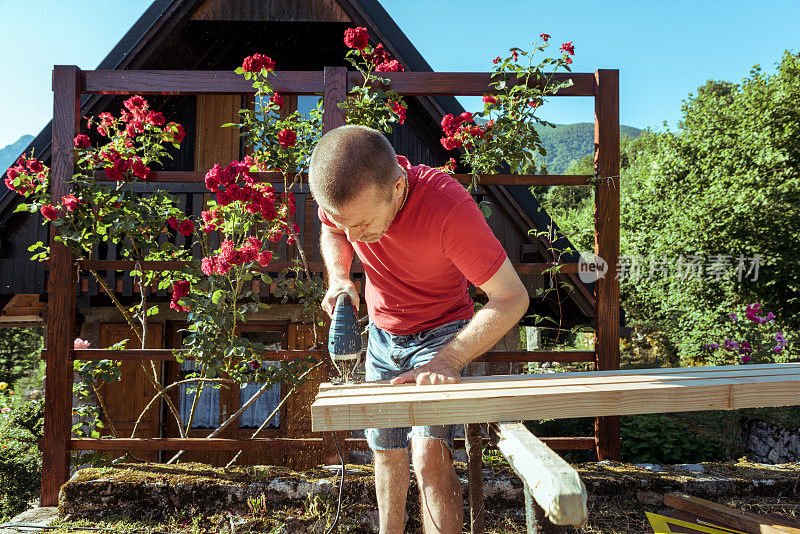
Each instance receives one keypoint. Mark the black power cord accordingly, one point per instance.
(341, 484)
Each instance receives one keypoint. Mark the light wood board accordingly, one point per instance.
(555, 396)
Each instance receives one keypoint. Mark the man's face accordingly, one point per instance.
(367, 217)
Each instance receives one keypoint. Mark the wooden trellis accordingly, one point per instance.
(70, 82)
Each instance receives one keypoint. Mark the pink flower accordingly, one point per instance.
(80, 344)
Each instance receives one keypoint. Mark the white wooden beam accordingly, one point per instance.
(552, 482)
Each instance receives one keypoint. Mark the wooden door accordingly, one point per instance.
(126, 398)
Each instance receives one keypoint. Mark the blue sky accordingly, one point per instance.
(664, 50)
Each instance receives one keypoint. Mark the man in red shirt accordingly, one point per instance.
(421, 239)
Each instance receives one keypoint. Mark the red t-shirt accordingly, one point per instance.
(417, 272)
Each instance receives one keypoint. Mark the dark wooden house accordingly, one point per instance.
(217, 35)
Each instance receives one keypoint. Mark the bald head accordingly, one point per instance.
(348, 160)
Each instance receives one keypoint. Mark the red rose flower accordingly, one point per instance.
(544, 36)
(398, 110)
(101, 131)
(12, 173)
(496, 60)
(208, 265)
(186, 227)
(379, 55)
(489, 99)
(514, 54)
(356, 38)
(155, 118)
(34, 165)
(568, 60)
(140, 169)
(49, 212)
(70, 202)
(567, 48)
(107, 119)
(390, 66)
(213, 178)
(277, 100)
(175, 132)
(124, 115)
(257, 62)
(264, 258)
(223, 267)
(173, 223)
(287, 138)
(135, 104)
(82, 141)
(450, 144)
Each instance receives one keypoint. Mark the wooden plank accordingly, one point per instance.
(554, 484)
(467, 83)
(407, 405)
(168, 354)
(606, 224)
(198, 82)
(193, 444)
(726, 516)
(275, 266)
(61, 293)
(182, 82)
(198, 177)
(484, 384)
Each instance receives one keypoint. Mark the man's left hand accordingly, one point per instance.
(432, 372)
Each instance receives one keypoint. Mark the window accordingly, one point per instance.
(256, 413)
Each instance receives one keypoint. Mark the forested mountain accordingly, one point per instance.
(569, 142)
(9, 153)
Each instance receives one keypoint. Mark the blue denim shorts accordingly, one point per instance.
(390, 355)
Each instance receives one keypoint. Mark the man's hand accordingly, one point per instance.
(335, 289)
(433, 372)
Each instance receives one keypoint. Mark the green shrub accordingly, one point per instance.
(20, 458)
(658, 439)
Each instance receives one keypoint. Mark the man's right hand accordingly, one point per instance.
(334, 290)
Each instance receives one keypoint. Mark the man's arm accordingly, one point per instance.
(508, 301)
(337, 253)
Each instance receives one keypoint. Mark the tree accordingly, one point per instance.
(727, 184)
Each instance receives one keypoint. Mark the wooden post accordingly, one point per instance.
(474, 444)
(606, 245)
(61, 293)
(335, 83)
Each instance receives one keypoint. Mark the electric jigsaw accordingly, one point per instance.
(344, 338)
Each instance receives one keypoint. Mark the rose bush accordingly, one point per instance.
(505, 131)
(368, 104)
